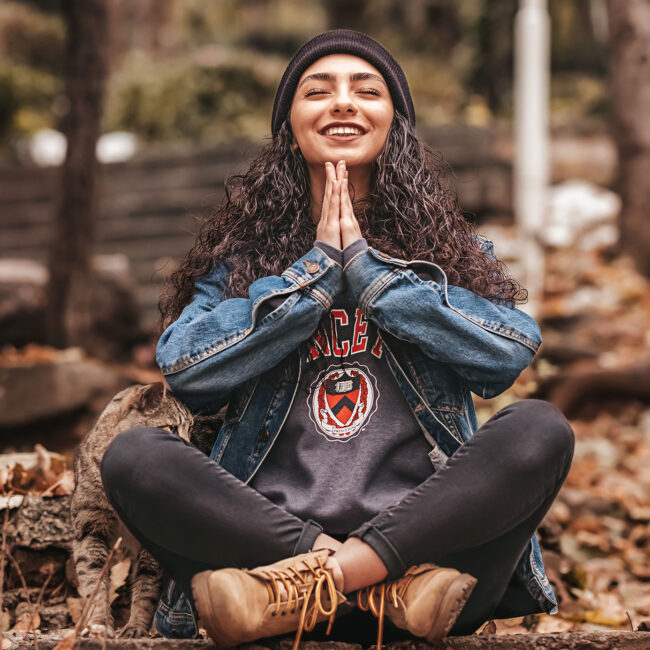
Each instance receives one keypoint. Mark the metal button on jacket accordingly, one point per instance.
(312, 267)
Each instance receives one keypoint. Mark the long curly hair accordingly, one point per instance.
(265, 222)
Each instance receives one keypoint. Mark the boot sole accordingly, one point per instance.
(452, 604)
(207, 614)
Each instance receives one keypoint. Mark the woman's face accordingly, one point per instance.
(345, 91)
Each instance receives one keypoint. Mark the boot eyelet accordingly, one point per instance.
(283, 614)
(273, 613)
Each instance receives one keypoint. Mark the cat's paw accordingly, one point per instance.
(96, 631)
(133, 632)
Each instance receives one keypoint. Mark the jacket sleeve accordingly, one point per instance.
(216, 345)
(486, 344)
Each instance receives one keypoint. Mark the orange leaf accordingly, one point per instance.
(67, 642)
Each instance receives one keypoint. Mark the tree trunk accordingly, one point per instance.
(68, 310)
(343, 14)
(629, 68)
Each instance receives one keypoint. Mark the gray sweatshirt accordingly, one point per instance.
(350, 446)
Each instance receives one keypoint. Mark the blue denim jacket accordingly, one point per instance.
(441, 342)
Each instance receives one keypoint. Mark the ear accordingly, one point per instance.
(149, 397)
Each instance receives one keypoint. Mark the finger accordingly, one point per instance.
(327, 195)
(346, 204)
(348, 218)
(335, 202)
(340, 170)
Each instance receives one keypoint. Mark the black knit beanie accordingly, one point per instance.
(342, 41)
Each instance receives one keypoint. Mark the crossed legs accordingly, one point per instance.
(476, 514)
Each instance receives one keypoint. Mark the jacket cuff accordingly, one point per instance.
(352, 249)
(335, 254)
(369, 271)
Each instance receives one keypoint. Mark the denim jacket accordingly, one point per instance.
(441, 342)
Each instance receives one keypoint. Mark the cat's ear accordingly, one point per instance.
(149, 397)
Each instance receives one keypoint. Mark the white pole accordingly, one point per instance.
(531, 164)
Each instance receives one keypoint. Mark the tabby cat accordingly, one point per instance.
(95, 524)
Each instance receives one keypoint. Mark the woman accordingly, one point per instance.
(350, 461)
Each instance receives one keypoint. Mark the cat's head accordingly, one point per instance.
(153, 405)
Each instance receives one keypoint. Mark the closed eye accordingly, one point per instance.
(319, 91)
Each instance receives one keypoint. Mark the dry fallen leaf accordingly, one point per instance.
(67, 642)
(5, 620)
(40, 472)
(510, 626)
(552, 624)
(488, 628)
(27, 621)
(65, 483)
(119, 574)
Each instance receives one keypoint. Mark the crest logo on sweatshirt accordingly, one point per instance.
(341, 401)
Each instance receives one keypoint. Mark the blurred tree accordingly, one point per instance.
(346, 14)
(629, 69)
(429, 25)
(491, 75)
(68, 309)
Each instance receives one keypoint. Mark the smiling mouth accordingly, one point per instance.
(342, 136)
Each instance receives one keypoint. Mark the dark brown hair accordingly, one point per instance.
(265, 224)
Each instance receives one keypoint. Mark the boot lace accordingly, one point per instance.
(304, 588)
(373, 598)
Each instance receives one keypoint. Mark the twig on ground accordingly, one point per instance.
(47, 492)
(108, 611)
(39, 600)
(3, 546)
(23, 582)
(56, 589)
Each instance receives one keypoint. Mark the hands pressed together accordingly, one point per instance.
(338, 226)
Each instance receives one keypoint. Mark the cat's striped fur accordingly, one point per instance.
(95, 523)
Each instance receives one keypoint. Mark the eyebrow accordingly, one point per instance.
(328, 76)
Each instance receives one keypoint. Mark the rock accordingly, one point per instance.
(55, 617)
(579, 212)
(22, 301)
(115, 326)
(35, 391)
(41, 523)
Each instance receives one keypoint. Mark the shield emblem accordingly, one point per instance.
(342, 397)
(341, 400)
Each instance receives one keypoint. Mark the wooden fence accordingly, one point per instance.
(150, 207)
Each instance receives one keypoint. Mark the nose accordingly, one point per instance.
(343, 101)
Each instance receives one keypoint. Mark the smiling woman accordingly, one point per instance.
(344, 310)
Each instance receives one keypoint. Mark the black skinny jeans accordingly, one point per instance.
(475, 514)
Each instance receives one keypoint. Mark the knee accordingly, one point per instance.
(545, 435)
(123, 458)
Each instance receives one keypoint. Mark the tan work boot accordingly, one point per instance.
(240, 605)
(426, 600)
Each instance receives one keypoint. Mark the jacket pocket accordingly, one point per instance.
(239, 400)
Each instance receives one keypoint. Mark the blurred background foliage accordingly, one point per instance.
(207, 71)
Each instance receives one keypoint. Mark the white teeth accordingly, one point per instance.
(342, 130)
